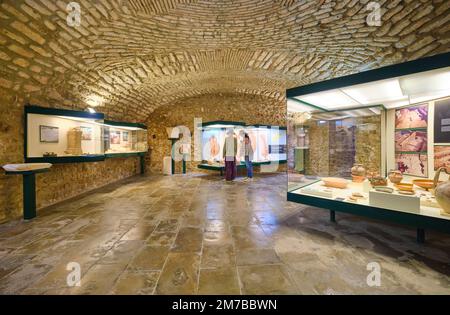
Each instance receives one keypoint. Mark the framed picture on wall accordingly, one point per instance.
(411, 117)
(48, 134)
(442, 157)
(414, 164)
(442, 121)
(86, 133)
(411, 141)
(115, 137)
(125, 135)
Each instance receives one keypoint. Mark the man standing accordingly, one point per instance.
(229, 155)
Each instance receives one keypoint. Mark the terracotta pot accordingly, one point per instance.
(395, 177)
(358, 170)
(442, 192)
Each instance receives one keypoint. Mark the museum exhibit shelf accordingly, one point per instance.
(269, 143)
(66, 136)
(375, 144)
(62, 136)
(123, 139)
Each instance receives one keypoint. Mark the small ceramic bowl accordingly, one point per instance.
(405, 187)
(426, 184)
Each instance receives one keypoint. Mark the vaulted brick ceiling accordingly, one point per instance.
(136, 55)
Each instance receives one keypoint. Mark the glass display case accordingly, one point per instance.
(375, 144)
(57, 135)
(66, 136)
(269, 143)
(121, 138)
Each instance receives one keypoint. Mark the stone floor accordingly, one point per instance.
(199, 235)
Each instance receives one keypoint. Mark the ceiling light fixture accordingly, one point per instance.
(94, 100)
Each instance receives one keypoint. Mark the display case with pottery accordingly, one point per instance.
(387, 152)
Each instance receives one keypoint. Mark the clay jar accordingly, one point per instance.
(442, 192)
(395, 177)
(358, 170)
(358, 173)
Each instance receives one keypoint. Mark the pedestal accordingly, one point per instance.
(29, 191)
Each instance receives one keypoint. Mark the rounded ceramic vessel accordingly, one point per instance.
(358, 170)
(395, 177)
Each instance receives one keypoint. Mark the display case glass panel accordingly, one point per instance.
(125, 139)
(377, 144)
(268, 142)
(54, 136)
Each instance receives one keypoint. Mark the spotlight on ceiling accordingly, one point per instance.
(91, 110)
(94, 100)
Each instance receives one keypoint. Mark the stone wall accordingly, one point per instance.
(251, 109)
(333, 154)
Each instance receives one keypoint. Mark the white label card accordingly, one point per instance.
(445, 121)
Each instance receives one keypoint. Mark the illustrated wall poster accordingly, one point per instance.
(260, 143)
(125, 135)
(411, 141)
(442, 121)
(442, 157)
(414, 164)
(115, 137)
(412, 117)
(211, 141)
(48, 134)
(86, 133)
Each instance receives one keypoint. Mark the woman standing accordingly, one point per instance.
(248, 154)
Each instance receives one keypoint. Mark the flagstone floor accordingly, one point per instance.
(196, 234)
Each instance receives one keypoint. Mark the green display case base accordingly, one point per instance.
(66, 159)
(418, 221)
(221, 168)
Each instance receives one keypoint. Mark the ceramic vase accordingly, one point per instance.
(442, 192)
(395, 177)
(358, 170)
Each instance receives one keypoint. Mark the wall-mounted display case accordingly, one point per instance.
(269, 143)
(123, 138)
(62, 136)
(67, 136)
(372, 144)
